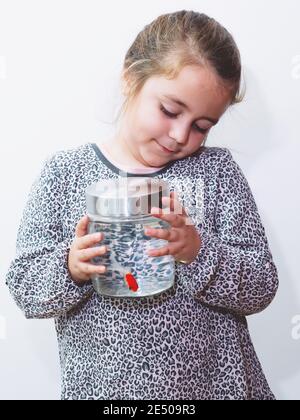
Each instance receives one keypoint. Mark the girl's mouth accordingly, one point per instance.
(164, 149)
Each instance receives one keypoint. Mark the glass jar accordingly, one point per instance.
(120, 209)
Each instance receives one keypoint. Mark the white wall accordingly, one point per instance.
(59, 67)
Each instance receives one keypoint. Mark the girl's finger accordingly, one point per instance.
(89, 240)
(81, 227)
(174, 220)
(91, 268)
(159, 252)
(158, 233)
(89, 253)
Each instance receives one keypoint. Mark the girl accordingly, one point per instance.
(180, 75)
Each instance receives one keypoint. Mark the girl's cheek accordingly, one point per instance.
(191, 146)
(158, 128)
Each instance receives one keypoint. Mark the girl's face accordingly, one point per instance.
(170, 119)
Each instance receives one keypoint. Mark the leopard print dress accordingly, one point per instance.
(189, 342)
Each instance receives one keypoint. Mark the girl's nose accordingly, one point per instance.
(179, 132)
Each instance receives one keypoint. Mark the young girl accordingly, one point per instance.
(180, 75)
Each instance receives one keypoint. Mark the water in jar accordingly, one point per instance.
(127, 254)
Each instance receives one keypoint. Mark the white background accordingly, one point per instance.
(60, 63)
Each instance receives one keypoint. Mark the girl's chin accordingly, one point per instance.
(156, 159)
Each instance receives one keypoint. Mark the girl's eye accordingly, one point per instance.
(171, 115)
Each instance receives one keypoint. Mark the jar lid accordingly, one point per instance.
(125, 197)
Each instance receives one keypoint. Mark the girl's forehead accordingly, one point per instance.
(191, 84)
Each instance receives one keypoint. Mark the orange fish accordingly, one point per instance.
(131, 282)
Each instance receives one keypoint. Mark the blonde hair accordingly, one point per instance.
(177, 39)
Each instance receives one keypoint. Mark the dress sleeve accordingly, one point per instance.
(38, 277)
(234, 269)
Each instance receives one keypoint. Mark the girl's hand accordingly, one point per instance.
(80, 253)
(184, 240)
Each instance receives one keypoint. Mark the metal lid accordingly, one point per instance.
(125, 197)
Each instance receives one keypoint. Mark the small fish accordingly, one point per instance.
(131, 282)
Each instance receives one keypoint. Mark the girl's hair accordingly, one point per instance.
(177, 39)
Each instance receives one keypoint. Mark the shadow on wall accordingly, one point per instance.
(246, 128)
(254, 138)
(272, 331)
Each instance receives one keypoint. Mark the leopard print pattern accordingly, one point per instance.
(189, 342)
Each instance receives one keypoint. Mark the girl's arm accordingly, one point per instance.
(38, 277)
(234, 268)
